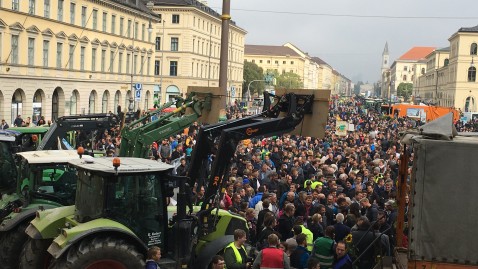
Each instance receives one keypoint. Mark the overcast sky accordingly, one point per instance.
(351, 38)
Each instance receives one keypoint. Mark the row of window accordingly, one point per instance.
(214, 30)
(205, 50)
(86, 17)
(174, 43)
(173, 68)
(269, 61)
(212, 71)
(62, 48)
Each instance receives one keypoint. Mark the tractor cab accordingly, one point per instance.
(8, 171)
(44, 178)
(130, 191)
(29, 137)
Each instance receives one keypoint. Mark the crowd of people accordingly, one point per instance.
(322, 202)
(313, 193)
(308, 202)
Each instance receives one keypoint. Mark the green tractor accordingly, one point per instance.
(13, 140)
(121, 210)
(8, 171)
(44, 181)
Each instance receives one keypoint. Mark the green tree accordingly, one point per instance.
(252, 72)
(357, 87)
(405, 90)
(287, 80)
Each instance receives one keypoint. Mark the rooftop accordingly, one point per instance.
(188, 3)
(269, 50)
(319, 61)
(128, 165)
(139, 5)
(473, 29)
(417, 53)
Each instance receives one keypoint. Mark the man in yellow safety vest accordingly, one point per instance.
(235, 254)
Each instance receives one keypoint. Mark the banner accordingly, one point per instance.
(341, 128)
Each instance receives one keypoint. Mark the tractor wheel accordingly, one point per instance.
(35, 255)
(100, 253)
(11, 244)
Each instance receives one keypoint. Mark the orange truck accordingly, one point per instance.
(423, 112)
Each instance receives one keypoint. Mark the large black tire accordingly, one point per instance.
(100, 253)
(11, 244)
(35, 255)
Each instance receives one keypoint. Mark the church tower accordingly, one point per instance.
(385, 58)
(385, 69)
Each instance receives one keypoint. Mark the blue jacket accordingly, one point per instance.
(299, 257)
(255, 199)
(150, 264)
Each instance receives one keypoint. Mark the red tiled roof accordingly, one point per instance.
(417, 53)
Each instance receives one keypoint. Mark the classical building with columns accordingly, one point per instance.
(70, 57)
(65, 57)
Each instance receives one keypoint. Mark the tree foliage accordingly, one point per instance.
(288, 80)
(357, 87)
(405, 90)
(252, 72)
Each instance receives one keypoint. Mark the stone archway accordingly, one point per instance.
(470, 104)
(104, 102)
(128, 101)
(117, 101)
(172, 91)
(92, 102)
(75, 97)
(37, 105)
(57, 103)
(17, 104)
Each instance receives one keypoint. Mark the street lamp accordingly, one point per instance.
(132, 89)
(150, 27)
(436, 87)
(161, 64)
(249, 88)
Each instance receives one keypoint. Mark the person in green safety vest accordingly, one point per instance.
(324, 248)
(309, 237)
(235, 254)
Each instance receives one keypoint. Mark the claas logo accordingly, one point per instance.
(250, 131)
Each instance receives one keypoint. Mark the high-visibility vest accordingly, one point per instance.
(236, 251)
(309, 237)
(324, 251)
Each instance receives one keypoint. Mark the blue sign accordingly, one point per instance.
(138, 86)
(137, 94)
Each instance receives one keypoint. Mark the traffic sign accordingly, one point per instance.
(138, 86)
(137, 95)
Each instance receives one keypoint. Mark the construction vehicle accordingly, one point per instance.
(97, 226)
(44, 181)
(441, 212)
(424, 113)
